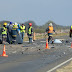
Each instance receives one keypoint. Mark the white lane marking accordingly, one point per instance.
(59, 65)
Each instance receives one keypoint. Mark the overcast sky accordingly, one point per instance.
(40, 11)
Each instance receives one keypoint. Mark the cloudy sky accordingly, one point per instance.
(40, 11)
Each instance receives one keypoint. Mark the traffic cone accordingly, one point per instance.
(47, 47)
(34, 38)
(4, 52)
(71, 45)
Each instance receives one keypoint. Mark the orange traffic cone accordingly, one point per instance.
(71, 45)
(34, 38)
(4, 52)
(47, 47)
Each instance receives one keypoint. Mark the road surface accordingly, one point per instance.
(36, 58)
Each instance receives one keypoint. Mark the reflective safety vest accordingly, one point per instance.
(22, 29)
(14, 32)
(50, 29)
(71, 27)
(5, 31)
(13, 28)
(29, 31)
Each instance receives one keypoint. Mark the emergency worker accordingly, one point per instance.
(70, 34)
(14, 32)
(22, 30)
(19, 28)
(50, 31)
(4, 33)
(30, 33)
(9, 28)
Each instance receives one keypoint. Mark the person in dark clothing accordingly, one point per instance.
(9, 27)
(50, 31)
(70, 33)
(14, 32)
(30, 33)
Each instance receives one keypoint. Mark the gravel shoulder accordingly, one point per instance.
(67, 68)
(36, 54)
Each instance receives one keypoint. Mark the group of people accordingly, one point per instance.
(13, 30)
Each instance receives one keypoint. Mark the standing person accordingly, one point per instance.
(49, 31)
(19, 28)
(9, 32)
(22, 30)
(70, 34)
(4, 33)
(10, 27)
(30, 33)
(14, 32)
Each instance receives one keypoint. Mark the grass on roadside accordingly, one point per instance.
(67, 68)
(43, 36)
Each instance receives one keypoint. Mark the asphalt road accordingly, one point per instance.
(41, 60)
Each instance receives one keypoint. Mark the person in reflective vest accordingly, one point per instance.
(30, 33)
(14, 32)
(70, 34)
(22, 30)
(4, 33)
(50, 31)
